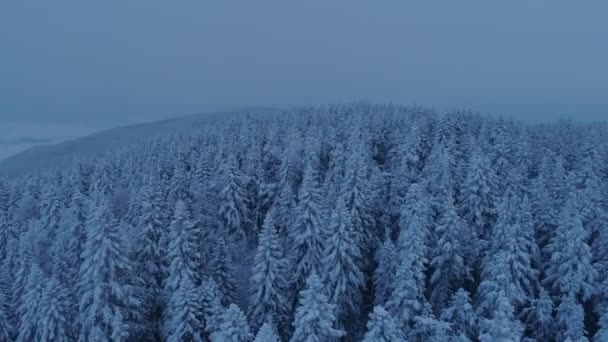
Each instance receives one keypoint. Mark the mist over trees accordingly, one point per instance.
(339, 223)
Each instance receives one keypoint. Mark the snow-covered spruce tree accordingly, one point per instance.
(407, 297)
(384, 274)
(428, 328)
(307, 233)
(507, 265)
(461, 316)
(315, 319)
(234, 327)
(342, 277)
(7, 330)
(538, 316)
(602, 333)
(449, 270)
(269, 302)
(53, 314)
(182, 314)
(149, 257)
(266, 334)
(570, 320)
(223, 272)
(477, 199)
(357, 196)
(502, 325)
(183, 253)
(234, 209)
(109, 306)
(570, 272)
(211, 307)
(29, 320)
(382, 328)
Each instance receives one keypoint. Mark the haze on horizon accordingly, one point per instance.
(113, 62)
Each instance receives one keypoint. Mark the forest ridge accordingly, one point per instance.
(350, 222)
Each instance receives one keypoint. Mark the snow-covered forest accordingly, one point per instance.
(340, 223)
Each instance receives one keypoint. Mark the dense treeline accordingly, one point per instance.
(353, 223)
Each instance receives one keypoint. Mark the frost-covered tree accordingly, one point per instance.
(182, 314)
(448, 261)
(570, 271)
(234, 327)
(266, 334)
(307, 234)
(570, 320)
(109, 305)
(183, 253)
(314, 319)
(461, 316)
(384, 275)
(502, 325)
(269, 279)
(342, 276)
(7, 330)
(53, 314)
(382, 328)
(223, 272)
(29, 320)
(234, 206)
(538, 317)
(211, 307)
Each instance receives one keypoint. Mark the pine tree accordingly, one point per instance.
(266, 334)
(223, 272)
(53, 314)
(570, 320)
(234, 327)
(502, 326)
(448, 262)
(342, 277)
(29, 322)
(570, 272)
(461, 316)
(211, 307)
(183, 253)
(106, 280)
(268, 280)
(182, 315)
(307, 234)
(234, 208)
(539, 317)
(382, 328)
(6, 328)
(315, 319)
(384, 274)
(602, 333)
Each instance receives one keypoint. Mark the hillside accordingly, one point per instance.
(350, 222)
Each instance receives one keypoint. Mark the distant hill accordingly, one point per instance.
(53, 155)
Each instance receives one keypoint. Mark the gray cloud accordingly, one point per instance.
(72, 60)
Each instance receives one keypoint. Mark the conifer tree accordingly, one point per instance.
(461, 316)
(502, 325)
(342, 277)
(384, 274)
(182, 314)
(223, 272)
(269, 279)
(570, 320)
(53, 314)
(29, 320)
(234, 208)
(315, 319)
(109, 296)
(234, 327)
(307, 234)
(382, 328)
(266, 334)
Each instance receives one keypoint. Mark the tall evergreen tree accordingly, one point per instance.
(234, 327)
(108, 306)
(461, 316)
(182, 315)
(307, 234)
(315, 319)
(234, 206)
(223, 272)
(269, 279)
(382, 328)
(342, 277)
(266, 334)
(53, 314)
(502, 325)
(29, 321)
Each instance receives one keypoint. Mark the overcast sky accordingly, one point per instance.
(121, 60)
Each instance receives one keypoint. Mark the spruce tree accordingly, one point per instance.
(53, 314)
(382, 328)
(342, 277)
(314, 319)
(461, 316)
(234, 327)
(182, 314)
(269, 279)
(266, 334)
(223, 272)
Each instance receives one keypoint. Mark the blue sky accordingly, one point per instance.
(110, 62)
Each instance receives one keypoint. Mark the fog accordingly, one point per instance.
(85, 62)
